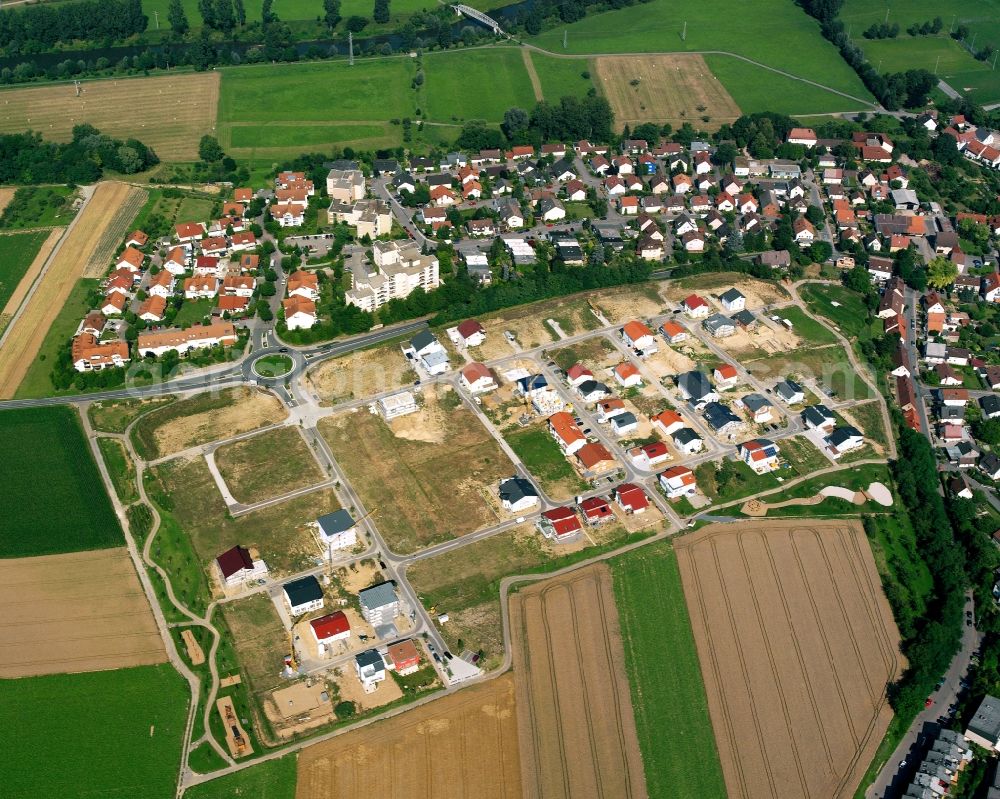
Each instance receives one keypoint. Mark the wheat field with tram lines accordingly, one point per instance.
(169, 113)
(797, 644)
(575, 718)
(664, 88)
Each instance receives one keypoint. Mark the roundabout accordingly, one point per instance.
(271, 366)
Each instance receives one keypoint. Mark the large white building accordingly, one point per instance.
(400, 269)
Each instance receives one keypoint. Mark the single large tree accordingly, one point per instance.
(941, 272)
(331, 15)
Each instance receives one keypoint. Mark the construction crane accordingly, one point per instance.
(291, 661)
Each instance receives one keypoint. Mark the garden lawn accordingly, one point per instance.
(757, 89)
(109, 734)
(541, 456)
(475, 84)
(744, 29)
(193, 311)
(849, 315)
(668, 695)
(562, 77)
(805, 327)
(51, 492)
(17, 251)
(272, 779)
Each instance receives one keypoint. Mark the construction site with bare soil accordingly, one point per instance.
(575, 719)
(797, 644)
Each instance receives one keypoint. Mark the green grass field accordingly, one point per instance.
(314, 98)
(668, 695)
(541, 455)
(50, 489)
(120, 469)
(273, 779)
(562, 77)
(757, 89)
(806, 327)
(194, 311)
(773, 32)
(974, 78)
(38, 381)
(17, 251)
(455, 81)
(109, 734)
(38, 206)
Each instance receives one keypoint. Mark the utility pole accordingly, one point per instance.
(952, 26)
(936, 64)
(156, 16)
(350, 45)
(972, 47)
(995, 53)
(887, 16)
(565, 37)
(76, 85)
(684, 33)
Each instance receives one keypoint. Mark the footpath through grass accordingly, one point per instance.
(52, 495)
(108, 734)
(668, 695)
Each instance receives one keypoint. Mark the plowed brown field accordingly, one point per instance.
(797, 644)
(575, 717)
(65, 268)
(169, 113)
(82, 611)
(464, 745)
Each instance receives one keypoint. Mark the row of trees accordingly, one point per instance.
(27, 158)
(35, 27)
(571, 119)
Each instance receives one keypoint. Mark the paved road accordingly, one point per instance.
(893, 779)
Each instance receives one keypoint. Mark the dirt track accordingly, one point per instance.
(27, 333)
(575, 719)
(464, 745)
(797, 644)
(82, 611)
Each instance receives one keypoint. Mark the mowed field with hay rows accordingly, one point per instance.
(797, 644)
(168, 113)
(664, 88)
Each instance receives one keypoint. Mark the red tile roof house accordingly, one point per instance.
(725, 376)
(189, 231)
(627, 375)
(328, 629)
(471, 333)
(695, 306)
(136, 239)
(594, 457)
(577, 374)
(559, 524)
(649, 456)
(131, 260)
(477, 378)
(631, 498)
(596, 510)
(405, 657)
(678, 481)
(666, 422)
(567, 435)
(638, 336)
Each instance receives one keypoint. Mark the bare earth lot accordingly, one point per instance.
(575, 724)
(82, 611)
(25, 335)
(670, 88)
(463, 745)
(428, 477)
(201, 420)
(361, 374)
(797, 644)
(176, 111)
